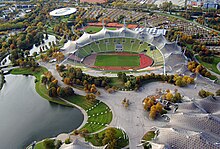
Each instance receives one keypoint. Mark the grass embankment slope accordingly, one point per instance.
(117, 60)
(99, 114)
(211, 66)
(40, 87)
(39, 145)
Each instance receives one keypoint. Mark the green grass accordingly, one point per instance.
(39, 145)
(40, 88)
(116, 82)
(117, 60)
(121, 141)
(212, 66)
(95, 29)
(149, 136)
(104, 118)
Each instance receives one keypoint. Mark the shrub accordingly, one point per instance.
(49, 143)
(202, 93)
(163, 112)
(217, 92)
(58, 144)
(67, 141)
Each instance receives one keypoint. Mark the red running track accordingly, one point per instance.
(145, 61)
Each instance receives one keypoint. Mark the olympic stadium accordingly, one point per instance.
(126, 50)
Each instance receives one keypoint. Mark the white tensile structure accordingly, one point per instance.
(63, 11)
(171, 52)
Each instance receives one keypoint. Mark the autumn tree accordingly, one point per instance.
(153, 112)
(169, 96)
(159, 107)
(110, 138)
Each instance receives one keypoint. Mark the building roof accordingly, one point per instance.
(169, 50)
(63, 11)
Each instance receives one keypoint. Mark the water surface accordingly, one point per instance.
(25, 116)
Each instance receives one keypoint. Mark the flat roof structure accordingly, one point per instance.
(63, 11)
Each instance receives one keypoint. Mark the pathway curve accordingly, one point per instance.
(134, 120)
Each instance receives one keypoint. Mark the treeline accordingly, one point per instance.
(75, 76)
(10, 26)
(198, 68)
(203, 93)
(46, 53)
(132, 82)
(54, 90)
(34, 24)
(21, 58)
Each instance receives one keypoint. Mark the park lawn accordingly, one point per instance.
(95, 29)
(115, 81)
(80, 101)
(117, 60)
(40, 88)
(149, 136)
(122, 142)
(212, 66)
(39, 145)
(92, 109)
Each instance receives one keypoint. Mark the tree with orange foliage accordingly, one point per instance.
(159, 107)
(153, 112)
(66, 81)
(150, 103)
(169, 96)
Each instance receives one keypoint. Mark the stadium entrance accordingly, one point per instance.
(118, 48)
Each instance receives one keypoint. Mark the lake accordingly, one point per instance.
(26, 116)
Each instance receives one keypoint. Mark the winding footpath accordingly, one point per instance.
(134, 120)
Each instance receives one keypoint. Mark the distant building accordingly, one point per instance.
(153, 31)
(211, 4)
(24, 6)
(195, 3)
(204, 3)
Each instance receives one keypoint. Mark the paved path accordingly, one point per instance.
(134, 120)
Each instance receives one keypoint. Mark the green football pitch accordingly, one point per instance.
(117, 60)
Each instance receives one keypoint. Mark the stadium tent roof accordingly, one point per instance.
(84, 40)
(63, 11)
(99, 35)
(145, 35)
(87, 38)
(159, 41)
(126, 32)
(170, 50)
(170, 47)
